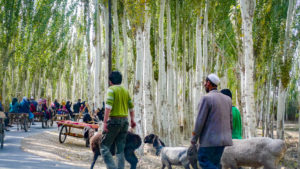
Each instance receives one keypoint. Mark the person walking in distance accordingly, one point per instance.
(237, 132)
(115, 123)
(213, 125)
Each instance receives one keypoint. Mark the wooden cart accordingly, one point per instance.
(20, 119)
(46, 122)
(67, 125)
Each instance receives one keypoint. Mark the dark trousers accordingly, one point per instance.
(209, 157)
(117, 132)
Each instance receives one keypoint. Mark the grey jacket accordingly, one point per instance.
(214, 121)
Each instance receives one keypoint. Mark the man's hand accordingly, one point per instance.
(105, 127)
(193, 142)
(133, 124)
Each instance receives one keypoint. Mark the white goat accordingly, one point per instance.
(173, 155)
(254, 152)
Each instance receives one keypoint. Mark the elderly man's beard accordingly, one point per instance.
(206, 89)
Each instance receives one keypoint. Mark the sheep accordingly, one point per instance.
(133, 142)
(253, 152)
(173, 155)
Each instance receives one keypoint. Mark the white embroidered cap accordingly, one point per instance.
(214, 78)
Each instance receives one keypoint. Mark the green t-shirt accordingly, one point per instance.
(236, 124)
(119, 101)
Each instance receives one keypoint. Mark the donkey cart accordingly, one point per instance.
(66, 127)
(21, 119)
(45, 118)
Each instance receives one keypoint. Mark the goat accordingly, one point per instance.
(253, 152)
(133, 141)
(173, 155)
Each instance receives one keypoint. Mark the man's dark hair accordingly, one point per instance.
(227, 92)
(115, 77)
(213, 85)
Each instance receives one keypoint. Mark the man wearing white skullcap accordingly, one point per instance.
(213, 124)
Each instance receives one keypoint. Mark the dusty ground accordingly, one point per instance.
(73, 151)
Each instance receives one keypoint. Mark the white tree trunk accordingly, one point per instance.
(40, 85)
(26, 88)
(148, 99)
(162, 82)
(98, 62)
(170, 80)
(116, 30)
(74, 86)
(247, 9)
(3, 91)
(138, 87)
(176, 80)
(106, 48)
(268, 121)
(280, 110)
(88, 54)
(205, 39)
(183, 87)
(89, 81)
(32, 93)
(125, 50)
(282, 89)
(199, 65)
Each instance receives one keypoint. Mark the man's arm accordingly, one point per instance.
(132, 122)
(106, 115)
(200, 120)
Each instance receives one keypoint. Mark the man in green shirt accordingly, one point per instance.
(115, 123)
(236, 118)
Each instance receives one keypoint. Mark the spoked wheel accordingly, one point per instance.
(63, 134)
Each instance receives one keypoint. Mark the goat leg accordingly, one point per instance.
(187, 166)
(131, 158)
(96, 154)
(194, 165)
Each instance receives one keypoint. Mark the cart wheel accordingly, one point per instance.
(25, 125)
(62, 134)
(44, 122)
